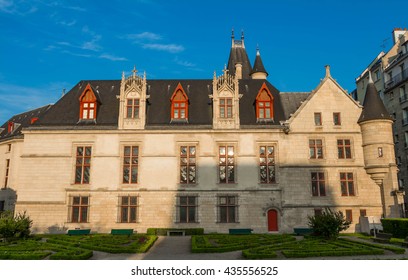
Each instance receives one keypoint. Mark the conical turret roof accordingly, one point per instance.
(374, 108)
(258, 65)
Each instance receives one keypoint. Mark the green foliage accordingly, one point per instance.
(328, 224)
(18, 226)
(398, 227)
(163, 231)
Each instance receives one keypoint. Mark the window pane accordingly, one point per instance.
(191, 214)
(191, 200)
(76, 200)
(124, 216)
(223, 214)
(230, 151)
(183, 174)
(230, 174)
(183, 151)
(262, 151)
(84, 214)
(125, 200)
(183, 200)
(78, 174)
(231, 200)
(84, 200)
(229, 111)
(134, 175)
(133, 200)
(75, 214)
(222, 174)
(88, 151)
(135, 150)
(229, 101)
(183, 214)
(271, 174)
(192, 174)
(222, 151)
(126, 174)
(231, 214)
(192, 151)
(80, 151)
(127, 151)
(223, 200)
(132, 218)
(267, 113)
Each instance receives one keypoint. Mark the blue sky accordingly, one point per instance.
(46, 46)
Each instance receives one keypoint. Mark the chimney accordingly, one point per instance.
(238, 70)
(397, 33)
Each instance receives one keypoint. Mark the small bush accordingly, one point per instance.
(18, 226)
(163, 231)
(398, 227)
(328, 224)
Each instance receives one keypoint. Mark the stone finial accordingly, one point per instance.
(134, 71)
(327, 71)
(123, 75)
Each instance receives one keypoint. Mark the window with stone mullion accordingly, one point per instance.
(188, 165)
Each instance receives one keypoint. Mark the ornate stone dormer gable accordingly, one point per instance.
(225, 101)
(88, 105)
(132, 101)
(179, 105)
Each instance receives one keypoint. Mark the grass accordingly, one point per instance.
(258, 246)
(65, 247)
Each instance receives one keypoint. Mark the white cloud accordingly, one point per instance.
(144, 36)
(112, 57)
(172, 48)
(184, 63)
(68, 23)
(17, 7)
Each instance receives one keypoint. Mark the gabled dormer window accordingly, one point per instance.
(264, 104)
(179, 104)
(88, 104)
(10, 127)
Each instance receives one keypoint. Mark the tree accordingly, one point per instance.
(328, 224)
(18, 226)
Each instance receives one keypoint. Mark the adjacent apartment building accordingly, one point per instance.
(390, 74)
(227, 152)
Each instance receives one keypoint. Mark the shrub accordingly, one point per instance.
(163, 231)
(398, 227)
(18, 226)
(328, 224)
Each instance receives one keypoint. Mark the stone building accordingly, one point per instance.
(228, 152)
(390, 75)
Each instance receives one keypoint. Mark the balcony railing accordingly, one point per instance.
(397, 79)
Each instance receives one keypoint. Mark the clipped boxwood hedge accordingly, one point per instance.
(163, 231)
(398, 227)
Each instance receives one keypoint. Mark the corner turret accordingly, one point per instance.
(258, 71)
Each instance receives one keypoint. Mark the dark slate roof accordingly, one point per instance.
(258, 65)
(374, 108)
(291, 101)
(21, 121)
(66, 111)
(239, 55)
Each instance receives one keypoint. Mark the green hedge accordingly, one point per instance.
(398, 227)
(163, 231)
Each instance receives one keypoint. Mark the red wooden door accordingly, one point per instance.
(272, 220)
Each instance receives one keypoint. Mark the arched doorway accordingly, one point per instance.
(272, 220)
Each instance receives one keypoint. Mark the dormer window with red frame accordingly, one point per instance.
(264, 104)
(88, 104)
(10, 127)
(179, 104)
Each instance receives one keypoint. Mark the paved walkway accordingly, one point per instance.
(179, 248)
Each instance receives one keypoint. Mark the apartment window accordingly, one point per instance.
(318, 184)
(380, 152)
(404, 116)
(401, 183)
(349, 215)
(267, 164)
(188, 165)
(187, 209)
(132, 108)
(406, 139)
(316, 148)
(347, 184)
(403, 94)
(363, 213)
(83, 165)
(79, 209)
(336, 119)
(226, 164)
(128, 209)
(228, 209)
(130, 164)
(344, 148)
(318, 119)
(225, 108)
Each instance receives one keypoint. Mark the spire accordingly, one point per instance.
(374, 108)
(258, 67)
(232, 38)
(238, 55)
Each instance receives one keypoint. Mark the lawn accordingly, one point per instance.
(65, 247)
(258, 246)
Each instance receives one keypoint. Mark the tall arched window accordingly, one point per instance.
(264, 104)
(179, 104)
(88, 104)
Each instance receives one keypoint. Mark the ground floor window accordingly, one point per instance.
(187, 209)
(79, 209)
(349, 215)
(128, 209)
(228, 209)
